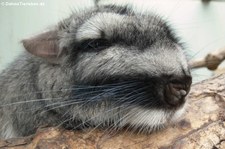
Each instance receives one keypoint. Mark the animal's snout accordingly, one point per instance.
(176, 89)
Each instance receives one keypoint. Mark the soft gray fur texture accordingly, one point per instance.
(106, 67)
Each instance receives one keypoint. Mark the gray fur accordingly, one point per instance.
(35, 91)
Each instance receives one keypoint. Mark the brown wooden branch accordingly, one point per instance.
(203, 126)
(211, 60)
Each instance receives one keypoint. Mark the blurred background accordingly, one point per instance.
(200, 24)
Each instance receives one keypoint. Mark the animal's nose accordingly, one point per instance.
(176, 89)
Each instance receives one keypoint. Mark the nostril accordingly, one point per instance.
(178, 86)
(176, 90)
(181, 82)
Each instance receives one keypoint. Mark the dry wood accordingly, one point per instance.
(211, 61)
(202, 127)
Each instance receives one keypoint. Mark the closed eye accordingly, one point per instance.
(94, 44)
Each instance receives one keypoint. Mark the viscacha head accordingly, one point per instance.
(119, 67)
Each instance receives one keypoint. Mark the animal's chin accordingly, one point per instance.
(148, 121)
(131, 117)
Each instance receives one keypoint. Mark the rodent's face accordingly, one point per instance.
(130, 66)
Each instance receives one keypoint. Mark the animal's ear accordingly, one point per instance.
(44, 45)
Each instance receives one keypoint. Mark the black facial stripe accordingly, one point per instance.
(130, 92)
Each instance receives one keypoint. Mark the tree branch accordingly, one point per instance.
(211, 61)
